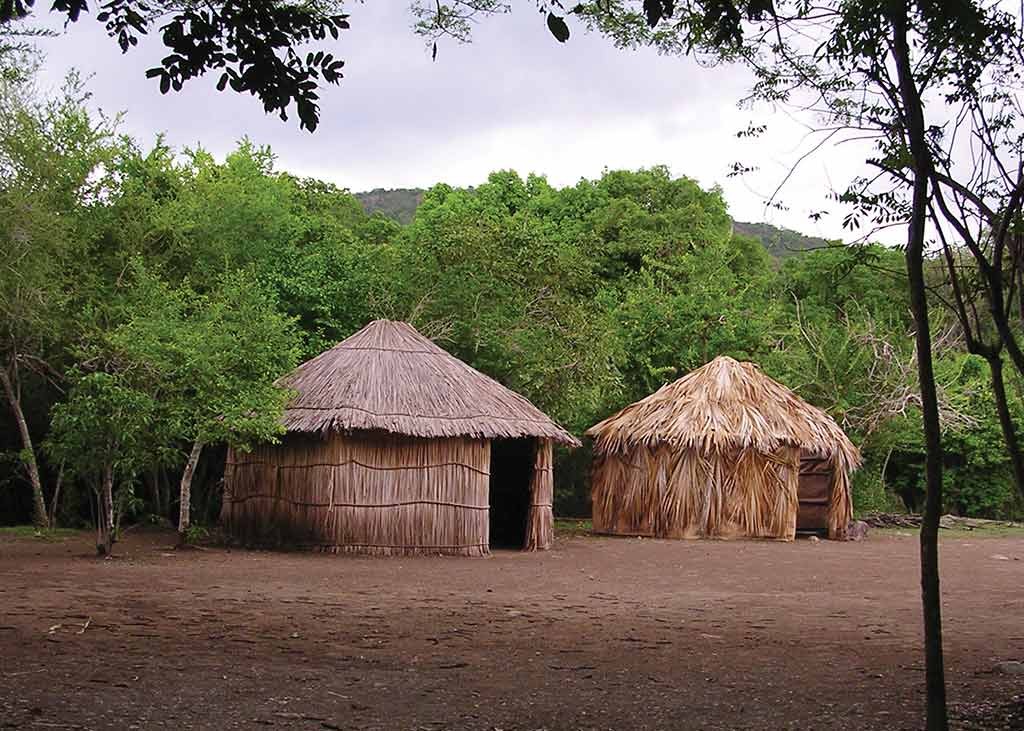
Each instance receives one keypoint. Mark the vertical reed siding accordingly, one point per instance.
(540, 524)
(840, 508)
(669, 493)
(363, 493)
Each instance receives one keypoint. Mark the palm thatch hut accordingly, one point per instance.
(723, 452)
(394, 446)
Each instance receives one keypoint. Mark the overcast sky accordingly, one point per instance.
(514, 98)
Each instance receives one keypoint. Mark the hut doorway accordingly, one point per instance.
(511, 471)
(814, 492)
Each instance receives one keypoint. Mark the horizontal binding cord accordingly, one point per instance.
(357, 462)
(237, 500)
(329, 546)
(382, 349)
(401, 547)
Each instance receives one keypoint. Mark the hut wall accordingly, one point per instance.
(364, 493)
(540, 524)
(840, 508)
(668, 493)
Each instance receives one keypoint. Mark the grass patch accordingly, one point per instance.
(30, 531)
(572, 527)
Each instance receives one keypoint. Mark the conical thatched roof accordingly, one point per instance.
(388, 377)
(725, 405)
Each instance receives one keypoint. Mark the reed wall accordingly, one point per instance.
(840, 509)
(376, 493)
(363, 492)
(540, 523)
(670, 493)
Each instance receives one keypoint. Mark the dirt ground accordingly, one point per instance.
(599, 633)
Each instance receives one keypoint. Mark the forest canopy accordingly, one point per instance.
(151, 297)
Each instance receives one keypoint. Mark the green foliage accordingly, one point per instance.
(572, 528)
(977, 480)
(870, 494)
(680, 312)
(503, 286)
(108, 419)
(830, 282)
(195, 534)
(52, 158)
(224, 216)
(214, 357)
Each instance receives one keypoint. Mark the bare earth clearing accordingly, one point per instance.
(599, 633)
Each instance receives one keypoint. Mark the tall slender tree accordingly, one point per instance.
(213, 358)
(50, 152)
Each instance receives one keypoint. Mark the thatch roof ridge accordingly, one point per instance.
(725, 404)
(388, 377)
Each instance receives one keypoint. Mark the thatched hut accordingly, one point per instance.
(723, 452)
(394, 446)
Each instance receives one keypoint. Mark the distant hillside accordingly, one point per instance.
(400, 204)
(780, 242)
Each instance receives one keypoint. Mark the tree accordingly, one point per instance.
(50, 154)
(179, 368)
(982, 339)
(726, 311)
(214, 360)
(329, 265)
(254, 45)
(106, 430)
(976, 214)
(978, 201)
(499, 273)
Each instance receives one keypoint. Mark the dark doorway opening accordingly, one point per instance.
(814, 493)
(511, 470)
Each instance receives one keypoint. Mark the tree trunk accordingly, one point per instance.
(1003, 325)
(105, 513)
(995, 364)
(931, 598)
(993, 356)
(39, 517)
(185, 501)
(912, 114)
